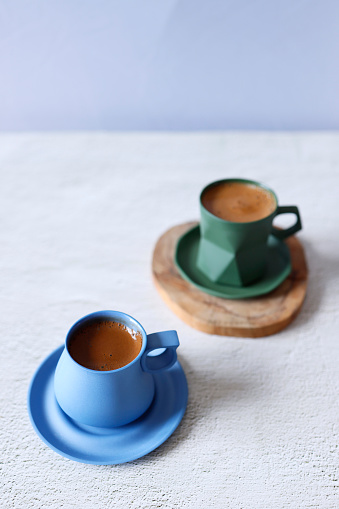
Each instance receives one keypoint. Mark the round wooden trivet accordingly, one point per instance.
(254, 317)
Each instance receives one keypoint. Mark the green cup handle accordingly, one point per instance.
(283, 234)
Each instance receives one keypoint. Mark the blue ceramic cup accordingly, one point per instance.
(117, 397)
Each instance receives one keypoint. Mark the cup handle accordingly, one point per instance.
(283, 234)
(168, 342)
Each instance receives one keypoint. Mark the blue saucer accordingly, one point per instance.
(106, 446)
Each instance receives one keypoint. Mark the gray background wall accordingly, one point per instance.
(169, 64)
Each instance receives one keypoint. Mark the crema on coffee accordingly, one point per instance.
(238, 202)
(104, 345)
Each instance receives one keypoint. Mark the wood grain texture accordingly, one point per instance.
(254, 317)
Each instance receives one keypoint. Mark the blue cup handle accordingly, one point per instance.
(167, 343)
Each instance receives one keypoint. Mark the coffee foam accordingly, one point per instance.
(238, 202)
(104, 345)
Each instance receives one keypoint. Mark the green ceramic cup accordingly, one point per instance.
(236, 253)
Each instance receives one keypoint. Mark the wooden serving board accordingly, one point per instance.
(254, 317)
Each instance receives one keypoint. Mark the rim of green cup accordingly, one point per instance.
(242, 181)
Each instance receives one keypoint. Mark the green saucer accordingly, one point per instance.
(278, 268)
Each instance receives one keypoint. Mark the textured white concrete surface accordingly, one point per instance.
(80, 214)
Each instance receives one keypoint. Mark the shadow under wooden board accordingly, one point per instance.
(251, 318)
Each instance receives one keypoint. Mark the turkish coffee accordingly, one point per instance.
(104, 345)
(238, 202)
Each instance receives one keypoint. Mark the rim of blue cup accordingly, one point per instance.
(243, 181)
(113, 316)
